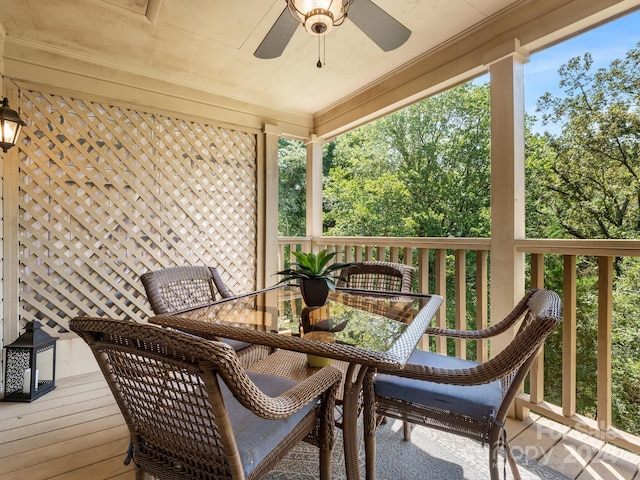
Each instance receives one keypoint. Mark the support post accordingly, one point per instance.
(267, 258)
(507, 187)
(314, 187)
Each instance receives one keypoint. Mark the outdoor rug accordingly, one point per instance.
(430, 455)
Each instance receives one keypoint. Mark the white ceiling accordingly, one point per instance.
(209, 44)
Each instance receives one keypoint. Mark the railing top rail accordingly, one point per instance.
(412, 242)
(597, 247)
(294, 239)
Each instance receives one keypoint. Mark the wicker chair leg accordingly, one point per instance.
(370, 457)
(325, 463)
(494, 448)
(406, 429)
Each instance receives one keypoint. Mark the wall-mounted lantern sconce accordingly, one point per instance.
(10, 126)
(31, 365)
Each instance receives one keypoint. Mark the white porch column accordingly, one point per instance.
(267, 254)
(314, 186)
(507, 186)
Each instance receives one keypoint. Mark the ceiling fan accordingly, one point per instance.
(320, 16)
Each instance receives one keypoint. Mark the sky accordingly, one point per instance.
(605, 43)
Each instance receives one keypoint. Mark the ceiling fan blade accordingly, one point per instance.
(278, 37)
(378, 25)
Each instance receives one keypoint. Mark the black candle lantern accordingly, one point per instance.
(30, 368)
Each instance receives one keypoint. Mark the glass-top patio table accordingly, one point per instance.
(368, 330)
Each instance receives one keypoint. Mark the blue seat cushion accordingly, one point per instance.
(256, 436)
(477, 401)
(237, 345)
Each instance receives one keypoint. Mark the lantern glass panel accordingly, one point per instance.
(44, 362)
(18, 362)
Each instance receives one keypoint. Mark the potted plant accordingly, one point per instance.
(314, 275)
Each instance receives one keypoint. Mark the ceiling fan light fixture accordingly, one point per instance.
(318, 22)
(319, 16)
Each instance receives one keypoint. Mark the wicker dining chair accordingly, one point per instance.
(193, 411)
(465, 397)
(379, 276)
(170, 290)
(186, 286)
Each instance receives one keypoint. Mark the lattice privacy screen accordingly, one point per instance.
(107, 193)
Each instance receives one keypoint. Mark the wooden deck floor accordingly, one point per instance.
(77, 432)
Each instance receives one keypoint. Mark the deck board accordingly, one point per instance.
(46, 438)
(77, 432)
(97, 461)
(611, 463)
(77, 443)
(538, 438)
(571, 455)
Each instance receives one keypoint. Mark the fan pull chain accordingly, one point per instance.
(324, 51)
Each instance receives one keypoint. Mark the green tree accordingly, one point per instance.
(292, 183)
(421, 171)
(592, 179)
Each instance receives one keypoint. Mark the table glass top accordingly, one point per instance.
(350, 317)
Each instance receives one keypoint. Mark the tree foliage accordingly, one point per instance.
(592, 176)
(292, 188)
(427, 164)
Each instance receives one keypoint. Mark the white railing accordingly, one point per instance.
(442, 260)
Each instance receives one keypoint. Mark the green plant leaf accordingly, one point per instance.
(312, 266)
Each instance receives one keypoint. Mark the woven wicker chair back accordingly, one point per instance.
(379, 276)
(178, 288)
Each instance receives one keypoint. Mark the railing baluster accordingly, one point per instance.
(348, 257)
(537, 270)
(605, 324)
(339, 254)
(536, 377)
(482, 308)
(569, 333)
(441, 289)
(407, 256)
(292, 257)
(423, 285)
(423, 270)
(368, 253)
(460, 282)
(281, 248)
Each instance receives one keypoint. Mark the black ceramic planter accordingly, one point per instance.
(314, 292)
